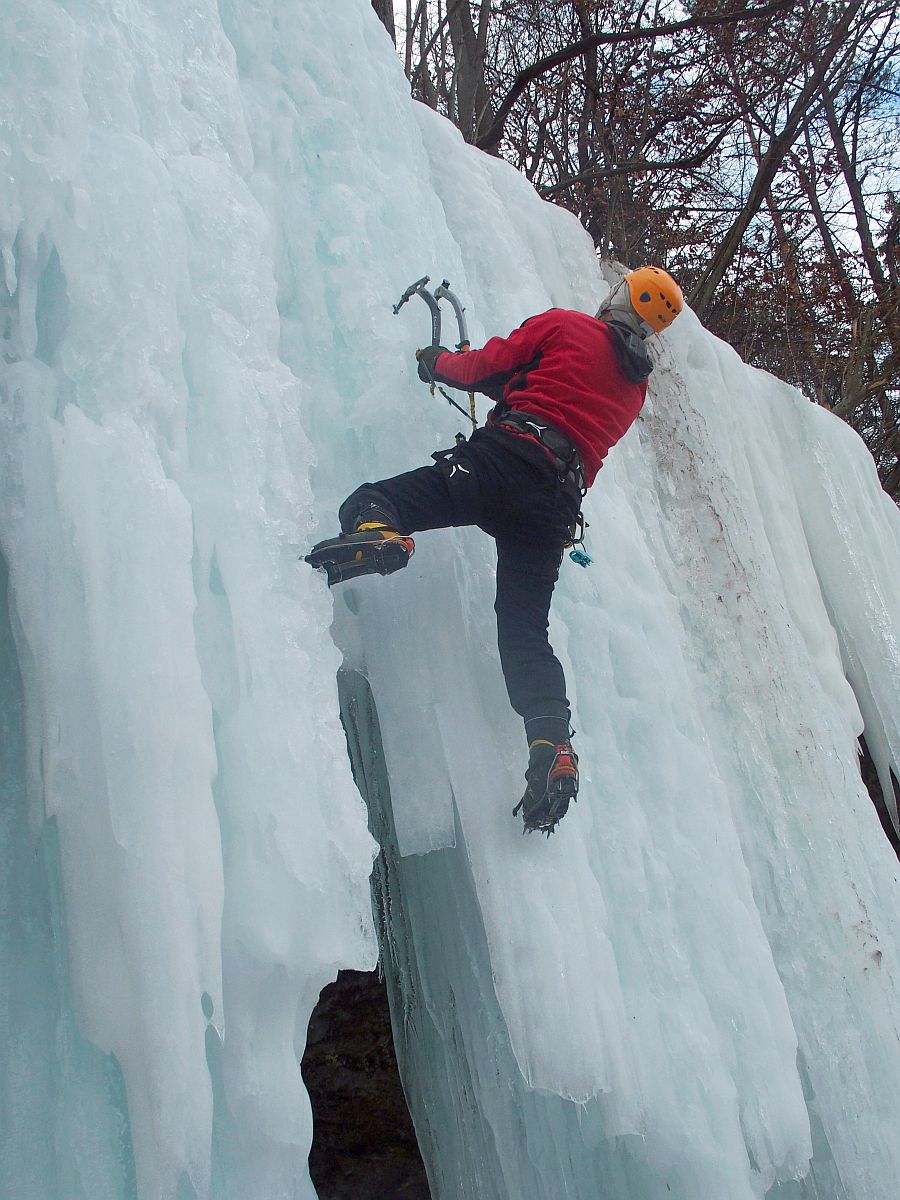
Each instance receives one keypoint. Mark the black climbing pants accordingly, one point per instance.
(529, 513)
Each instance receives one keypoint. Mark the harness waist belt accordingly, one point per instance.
(566, 456)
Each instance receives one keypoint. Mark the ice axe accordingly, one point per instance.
(419, 289)
(444, 293)
(433, 299)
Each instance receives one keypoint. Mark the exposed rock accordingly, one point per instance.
(364, 1146)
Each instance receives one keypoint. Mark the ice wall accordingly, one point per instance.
(206, 854)
(206, 211)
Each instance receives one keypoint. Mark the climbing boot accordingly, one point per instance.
(372, 549)
(552, 777)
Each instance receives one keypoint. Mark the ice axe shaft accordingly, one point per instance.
(443, 292)
(419, 289)
(463, 344)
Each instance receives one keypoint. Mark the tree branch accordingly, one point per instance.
(702, 294)
(430, 46)
(490, 140)
(640, 165)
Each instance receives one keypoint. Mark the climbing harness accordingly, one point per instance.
(569, 469)
(565, 456)
(433, 299)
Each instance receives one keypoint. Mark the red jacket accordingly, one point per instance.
(561, 366)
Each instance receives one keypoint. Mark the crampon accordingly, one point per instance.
(375, 551)
(547, 796)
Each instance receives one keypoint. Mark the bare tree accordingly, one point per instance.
(825, 63)
(744, 146)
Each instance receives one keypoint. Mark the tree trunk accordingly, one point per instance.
(887, 296)
(472, 95)
(385, 11)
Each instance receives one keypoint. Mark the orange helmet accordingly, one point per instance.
(655, 297)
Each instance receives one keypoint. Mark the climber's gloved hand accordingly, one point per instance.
(427, 357)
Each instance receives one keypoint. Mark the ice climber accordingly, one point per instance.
(566, 387)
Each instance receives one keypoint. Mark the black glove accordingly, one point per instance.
(427, 358)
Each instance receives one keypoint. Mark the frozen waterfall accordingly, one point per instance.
(691, 992)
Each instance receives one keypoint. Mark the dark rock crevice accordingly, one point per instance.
(873, 786)
(364, 1146)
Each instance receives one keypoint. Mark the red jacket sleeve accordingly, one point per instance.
(498, 360)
